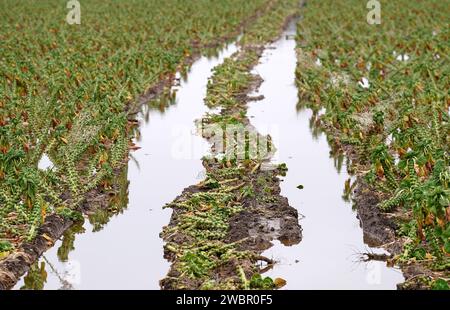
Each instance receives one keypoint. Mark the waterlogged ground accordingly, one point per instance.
(59, 80)
(127, 253)
(385, 97)
(328, 255)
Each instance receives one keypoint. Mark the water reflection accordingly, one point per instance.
(67, 244)
(35, 278)
(336, 152)
(328, 255)
(126, 252)
(55, 269)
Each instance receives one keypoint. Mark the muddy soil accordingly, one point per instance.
(18, 263)
(265, 215)
(379, 227)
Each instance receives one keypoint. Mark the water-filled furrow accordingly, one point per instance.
(125, 251)
(328, 257)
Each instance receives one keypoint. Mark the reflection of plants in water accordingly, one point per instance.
(37, 275)
(161, 103)
(68, 240)
(348, 190)
(314, 125)
(214, 51)
(337, 155)
(35, 278)
(302, 104)
(116, 203)
(164, 101)
(336, 152)
(99, 219)
(316, 130)
(398, 127)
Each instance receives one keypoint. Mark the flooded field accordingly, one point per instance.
(328, 257)
(224, 145)
(289, 159)
(127, 252)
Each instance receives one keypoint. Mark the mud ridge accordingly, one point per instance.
(229, 256)
(16, 264)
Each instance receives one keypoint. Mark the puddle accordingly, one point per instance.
(126, 252)
(328, 255)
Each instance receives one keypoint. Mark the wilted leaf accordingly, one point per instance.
(279, 282)
(429, 256)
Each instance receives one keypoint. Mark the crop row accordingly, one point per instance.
(205, 251)
(64, 90)
(384, 90)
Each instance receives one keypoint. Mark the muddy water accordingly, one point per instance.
(127, 253)
(327, 257)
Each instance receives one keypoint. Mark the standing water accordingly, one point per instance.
(127, 253)
(327, 257)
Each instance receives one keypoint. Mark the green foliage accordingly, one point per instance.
(203, 218)
(70, 214)
(248, 192)
(5, 246)
(211, 183)
(197, 264)
(399, 125)
(66, 90)
(259, 282)
(440, 284)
